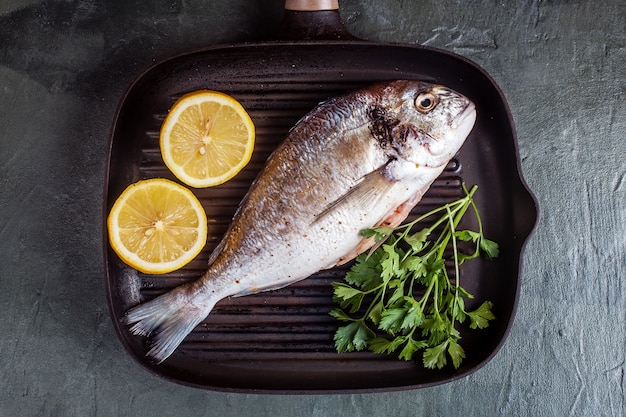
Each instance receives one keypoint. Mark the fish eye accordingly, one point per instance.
(425, 102)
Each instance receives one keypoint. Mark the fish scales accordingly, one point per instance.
(355, 161)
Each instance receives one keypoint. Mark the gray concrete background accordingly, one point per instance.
(63, 68)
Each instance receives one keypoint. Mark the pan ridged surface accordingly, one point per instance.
(289, 323)
(282, 341)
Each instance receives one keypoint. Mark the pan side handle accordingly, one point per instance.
(313, 20)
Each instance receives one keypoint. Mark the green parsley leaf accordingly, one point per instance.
(397, 296)
(463, 293)
(435, 265)
(340, 315)
(410, 348)
(489, 248)
(417, 265)
(412, 318)
(433, 324)
(389, 263)
(481, 316)
(378, 233)
(458, 309)
(417, 241)
(467, 235)
(365, 273)
(435, 357)
(348, 296)
(354, 336)
(456, 352)
(375, 312)
(391, 320)
(383, 345)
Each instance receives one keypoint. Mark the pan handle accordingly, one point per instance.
(313, 20)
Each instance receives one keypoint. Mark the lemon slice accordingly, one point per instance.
(206, 138)
(157, 226)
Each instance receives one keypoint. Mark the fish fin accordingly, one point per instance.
(364, 193)
(168, 318)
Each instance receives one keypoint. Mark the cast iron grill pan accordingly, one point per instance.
(282, 341)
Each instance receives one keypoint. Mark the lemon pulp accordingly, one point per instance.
(206, 138)
(157, 226)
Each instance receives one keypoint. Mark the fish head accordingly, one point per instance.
(426, 124)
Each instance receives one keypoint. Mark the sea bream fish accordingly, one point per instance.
(356, 161)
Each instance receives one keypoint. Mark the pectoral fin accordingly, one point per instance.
(372, 187)
(365, 193)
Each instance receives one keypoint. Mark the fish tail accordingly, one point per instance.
(168, 319)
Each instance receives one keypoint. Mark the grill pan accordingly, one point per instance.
(282, 341)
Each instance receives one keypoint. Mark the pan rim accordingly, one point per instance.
(299, 44)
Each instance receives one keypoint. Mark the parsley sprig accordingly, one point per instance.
(400, 296)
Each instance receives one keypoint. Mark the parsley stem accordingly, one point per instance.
(379, 295)
(455, 255)
(471, 193)
(426, 296)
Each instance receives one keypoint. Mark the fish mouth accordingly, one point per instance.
(467, 115)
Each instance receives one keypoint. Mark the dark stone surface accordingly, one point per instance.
(64, 66)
